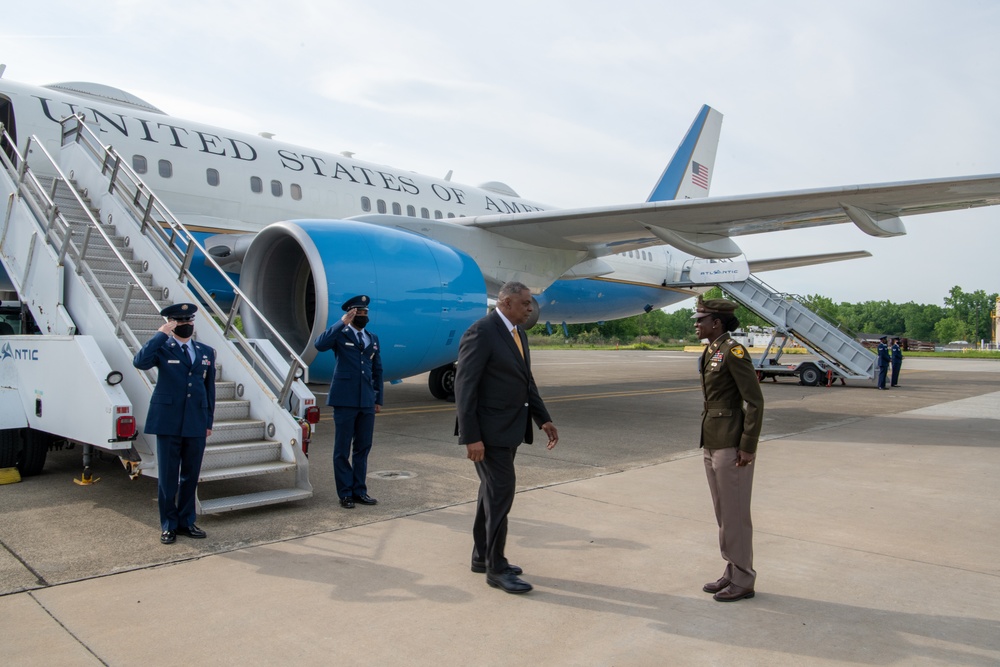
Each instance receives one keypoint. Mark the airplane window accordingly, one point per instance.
(276, 188)
(139, 164)
(366, 204)
(437, 215)
(397, 209)
(212, 175)
(296, 191)
(410, 211)
(644, 254)
(381, 205)
(256, 185)
(424, 213)
(166, 169)
(451, 215)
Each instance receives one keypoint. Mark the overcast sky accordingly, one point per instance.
(577, 103)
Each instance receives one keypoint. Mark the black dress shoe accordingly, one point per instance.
(508, 582)
(347, 503)
(715, 586)
(732, 593)
(479, 567)
(365, 499)
(168, 537)
(192, 531)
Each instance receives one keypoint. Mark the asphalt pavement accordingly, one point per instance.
(876, 542)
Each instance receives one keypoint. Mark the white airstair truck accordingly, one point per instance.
(93, 256)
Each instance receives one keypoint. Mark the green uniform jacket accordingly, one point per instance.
(728, 381)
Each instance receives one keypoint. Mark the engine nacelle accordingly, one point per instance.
(424, 294)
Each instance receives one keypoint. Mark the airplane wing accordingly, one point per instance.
(704, 227)
(776, 263)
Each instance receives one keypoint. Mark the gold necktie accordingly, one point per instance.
(517, 341)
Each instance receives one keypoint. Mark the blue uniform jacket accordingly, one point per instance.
(883, 355)
(897, 354)
(357, 376)
(183, 401)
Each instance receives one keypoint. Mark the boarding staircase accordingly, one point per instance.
(849, 358)
(91, 250)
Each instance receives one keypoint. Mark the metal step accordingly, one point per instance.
(248, 500)
(241, 454)
(249, 470)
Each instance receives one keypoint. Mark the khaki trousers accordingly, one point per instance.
(731, 487)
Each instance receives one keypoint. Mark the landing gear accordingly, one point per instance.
(441, 382)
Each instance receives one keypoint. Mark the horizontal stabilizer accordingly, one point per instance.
(776, 263)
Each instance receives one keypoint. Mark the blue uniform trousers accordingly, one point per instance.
(179, 461)
(895, 372)
(355, 428)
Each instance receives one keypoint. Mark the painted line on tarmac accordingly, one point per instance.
(450, 407)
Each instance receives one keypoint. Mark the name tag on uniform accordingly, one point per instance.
(173, 361)
(349, 344)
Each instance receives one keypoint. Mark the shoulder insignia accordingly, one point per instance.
(738, 352)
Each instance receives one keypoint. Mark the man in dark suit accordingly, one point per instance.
(355, 395)
(730, 430)
(181, 413)
(497, 399)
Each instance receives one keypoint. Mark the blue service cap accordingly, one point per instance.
(359, 301)
(180, 311)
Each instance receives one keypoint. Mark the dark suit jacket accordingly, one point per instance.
(495, 394)
(357, 377)
(183, 401)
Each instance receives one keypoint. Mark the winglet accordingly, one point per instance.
(689, 173)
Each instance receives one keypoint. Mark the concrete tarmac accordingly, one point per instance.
(876, 517)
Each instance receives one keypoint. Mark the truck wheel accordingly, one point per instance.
(442, 382)
(36, 448)
(809, 375)
(10, 445)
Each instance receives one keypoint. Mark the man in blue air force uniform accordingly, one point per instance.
(883, 361)
(897, 362)
(181, 413)
(355, 395)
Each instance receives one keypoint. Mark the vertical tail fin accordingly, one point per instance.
(689, 173)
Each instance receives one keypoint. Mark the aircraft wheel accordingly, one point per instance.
(809, 375)
(442, 382)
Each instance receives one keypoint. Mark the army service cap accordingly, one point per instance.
(182, 312)
(713, 307)
(359, 301)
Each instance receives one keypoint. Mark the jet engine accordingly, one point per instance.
(424, 294)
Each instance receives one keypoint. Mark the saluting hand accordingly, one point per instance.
(349, 317)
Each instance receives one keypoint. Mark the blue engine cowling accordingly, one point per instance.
(424, 294)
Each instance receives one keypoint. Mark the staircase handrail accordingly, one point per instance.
(45, 209)
(143, 204)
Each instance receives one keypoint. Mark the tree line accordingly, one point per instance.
(965, 316)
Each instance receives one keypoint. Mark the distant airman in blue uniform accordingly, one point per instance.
(883, 361)
(897, 362)
(181, 414)
(355, 395)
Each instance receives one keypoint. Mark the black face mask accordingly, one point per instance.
(184, 330)
(360, 321)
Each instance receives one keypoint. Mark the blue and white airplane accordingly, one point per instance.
(305, 229)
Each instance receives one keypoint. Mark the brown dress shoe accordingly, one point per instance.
(715, 586)
(732, 593)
